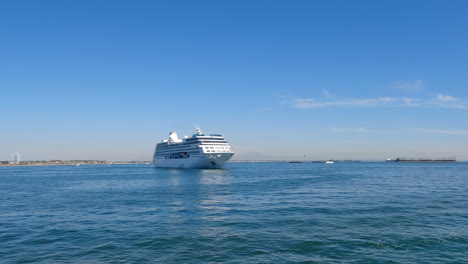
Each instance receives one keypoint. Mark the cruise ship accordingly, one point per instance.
(197, 152)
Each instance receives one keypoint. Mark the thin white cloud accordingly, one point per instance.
(359, 102)
(350, 130)
(327, 94)
(362, 130)
(409, 85)
(443, 132)
(450, 101)
(439, 100)
(446, 98)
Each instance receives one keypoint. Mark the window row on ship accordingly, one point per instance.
(207, 149)
(204, 139)
(193, 149)
(176, 150)
(217, 149)
(159, 154)
(199, 138)
(178, 146)
(188, 143)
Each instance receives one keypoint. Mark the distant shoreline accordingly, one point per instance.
(232, 161)
(74, 164)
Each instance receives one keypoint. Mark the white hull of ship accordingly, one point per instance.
(205, 161)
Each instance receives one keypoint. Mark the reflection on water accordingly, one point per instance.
(194, 176)
(222, 176)
(197, 197)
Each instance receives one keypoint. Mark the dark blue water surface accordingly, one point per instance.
(246, 213)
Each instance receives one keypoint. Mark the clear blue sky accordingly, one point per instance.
(279, 79)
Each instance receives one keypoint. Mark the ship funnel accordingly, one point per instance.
(173, 136)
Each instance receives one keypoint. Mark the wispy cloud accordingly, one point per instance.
(444, 132)
(450, 101)
(362, 130)
(438, 100)
(327, 94)
(362, 102)
(409, 85)
(445, 98)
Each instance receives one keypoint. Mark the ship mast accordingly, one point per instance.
(199, 132)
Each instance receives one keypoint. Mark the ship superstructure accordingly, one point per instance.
(197, 152)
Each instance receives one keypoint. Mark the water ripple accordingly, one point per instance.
(247, 213)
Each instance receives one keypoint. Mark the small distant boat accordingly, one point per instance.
(295, 161)
(329, 162)
(77, 165)
(390, 160)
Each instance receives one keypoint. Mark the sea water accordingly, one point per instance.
(245, 213)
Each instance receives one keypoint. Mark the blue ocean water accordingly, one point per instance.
(246, 213)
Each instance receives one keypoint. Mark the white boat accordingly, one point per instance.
(329, 162)
(197, 152)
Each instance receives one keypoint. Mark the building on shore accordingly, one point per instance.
(16, 158)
